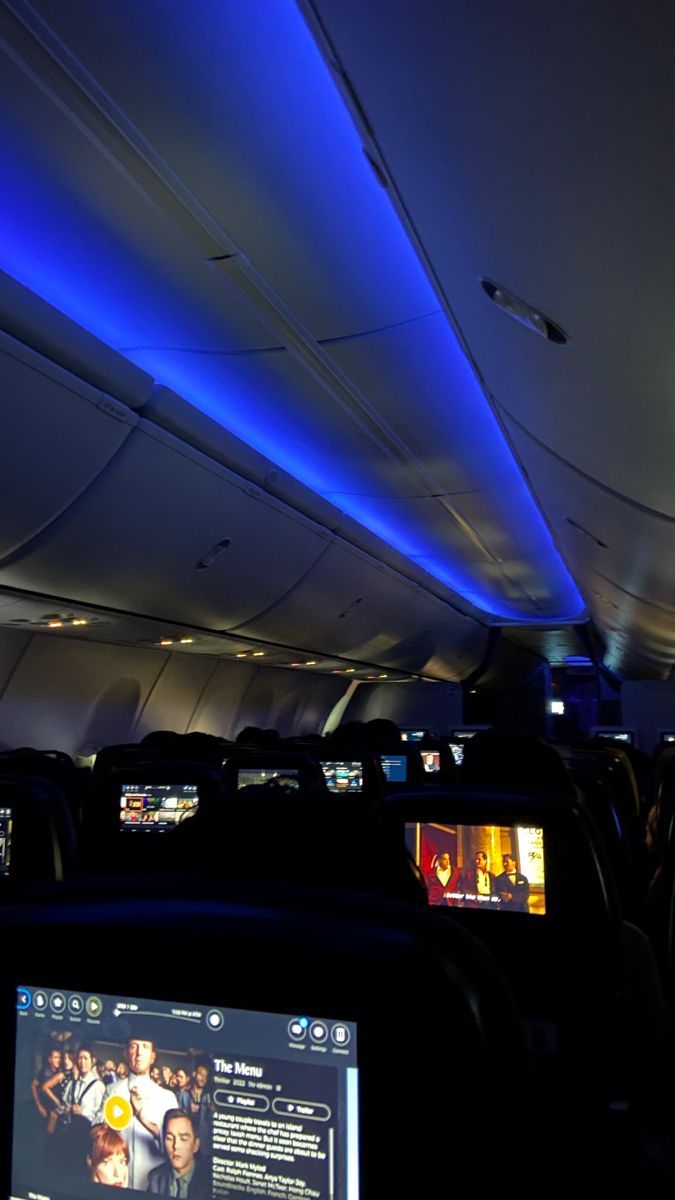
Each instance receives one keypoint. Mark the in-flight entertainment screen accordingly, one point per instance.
(395, 767)
(5, 840)
(412, 735)
(343, 776)
(156, 807)
(457, 749)
(141, 1094)
(498, 868)
(613, 734)
(431, 760)
(284, 777)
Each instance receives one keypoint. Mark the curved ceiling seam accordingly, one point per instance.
(57, 520)
(293, 587)
(656, 513)
(634, 595)
(255, 350)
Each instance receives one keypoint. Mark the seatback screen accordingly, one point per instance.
(343, 776)
(412, 735)
(457, 749)
(156, 807)
(395, 767)
(5, 840)
(284, 777)
(625, 736)
(176, 1098)
(493, 867)
(431, 761)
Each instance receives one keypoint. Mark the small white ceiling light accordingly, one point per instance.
(523, 312)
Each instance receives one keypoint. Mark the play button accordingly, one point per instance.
(118, 1112)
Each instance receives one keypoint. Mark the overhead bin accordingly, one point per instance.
(58, 434)
(363, 611)
(622, 554)
(169, 533)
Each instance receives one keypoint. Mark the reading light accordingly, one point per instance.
(55, 624)
(258, 653)
(383, 676)
(186, 641)
(244, 655)
(166, 642)
(557, 708)
(349, 670)
(311, 663)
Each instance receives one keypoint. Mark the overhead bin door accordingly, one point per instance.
(167, 532)
(58, 434)
(362, 611)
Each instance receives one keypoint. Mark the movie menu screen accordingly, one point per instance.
(395, 767)
(156, 807)
(493, 867)
(343, 776)
(144, 1094)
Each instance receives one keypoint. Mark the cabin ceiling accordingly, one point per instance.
(187, 183)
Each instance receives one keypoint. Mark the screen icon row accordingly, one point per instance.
(318, 1032)
(56, 1001)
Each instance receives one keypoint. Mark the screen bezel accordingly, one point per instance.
(88, 1034)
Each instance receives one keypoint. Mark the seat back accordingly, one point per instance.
(340, 1042)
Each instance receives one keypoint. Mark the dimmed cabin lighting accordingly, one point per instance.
(166, 642)
(79, 621)
(243, 655)
(258, 653)
(186, 641)
(55, 624)
(383, 676)
(349, 670)
(311, 663)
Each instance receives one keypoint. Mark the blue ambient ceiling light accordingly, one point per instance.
(299, 196)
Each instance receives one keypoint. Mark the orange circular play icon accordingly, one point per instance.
(118, 1112)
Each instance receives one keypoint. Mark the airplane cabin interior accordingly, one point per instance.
(336, 606)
